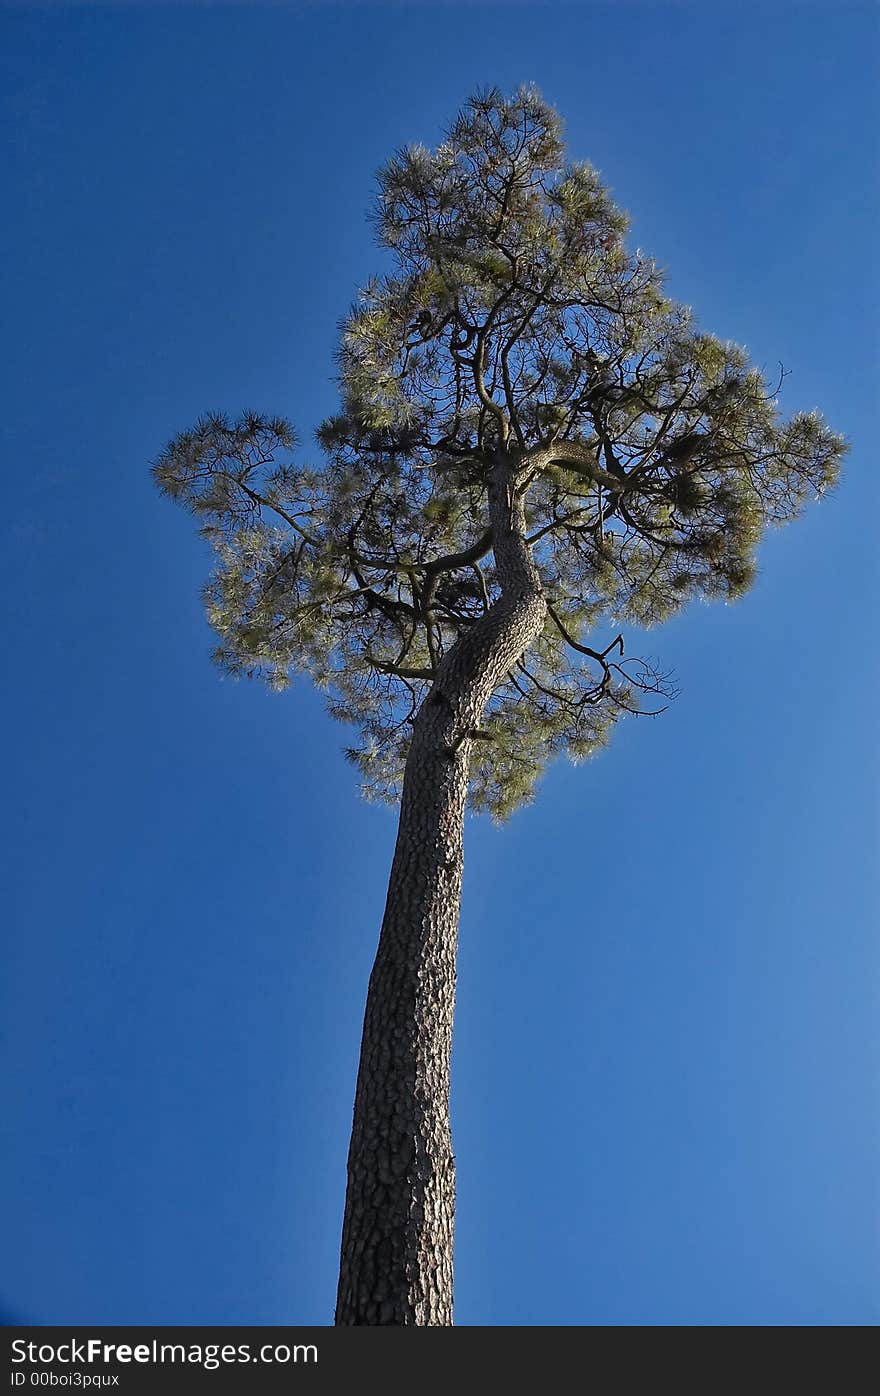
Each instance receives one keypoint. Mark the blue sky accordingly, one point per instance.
(666, 1065)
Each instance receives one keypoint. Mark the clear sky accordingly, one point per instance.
(666, 1058)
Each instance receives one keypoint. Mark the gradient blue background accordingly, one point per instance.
(666, 1067)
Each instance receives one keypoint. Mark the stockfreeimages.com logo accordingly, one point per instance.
(93, 1351)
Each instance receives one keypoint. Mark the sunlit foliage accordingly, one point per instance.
(652, 457)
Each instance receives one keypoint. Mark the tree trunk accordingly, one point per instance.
(396, 1260)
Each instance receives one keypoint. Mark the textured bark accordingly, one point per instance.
(396, 1260)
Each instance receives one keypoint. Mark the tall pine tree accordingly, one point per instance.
(534, 445)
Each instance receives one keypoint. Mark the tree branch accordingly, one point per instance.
(601, 656)
(386, 667)
(574, 456)
(465, 558)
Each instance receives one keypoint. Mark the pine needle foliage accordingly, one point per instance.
(651, 457)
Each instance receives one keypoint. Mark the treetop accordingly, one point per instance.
(515, 326)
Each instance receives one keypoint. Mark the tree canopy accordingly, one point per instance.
(651, 457)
